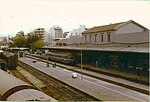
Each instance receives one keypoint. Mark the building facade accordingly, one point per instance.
(77, 32)
(124, 32)
(121, 47)
(40, 32)
(55, 33)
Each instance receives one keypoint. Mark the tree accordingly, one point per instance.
(19, 40)
(31, 39)
(38, 44)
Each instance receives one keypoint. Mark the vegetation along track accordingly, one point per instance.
(57, 89)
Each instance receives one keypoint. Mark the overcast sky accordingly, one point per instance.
(16, 15)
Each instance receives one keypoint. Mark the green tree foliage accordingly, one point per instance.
(31, 39)
(19, 40)
(38, 44)
(11, 45)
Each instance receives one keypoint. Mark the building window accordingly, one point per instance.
(90, 37)
(95, 38)
(102, 38)
(108, 37)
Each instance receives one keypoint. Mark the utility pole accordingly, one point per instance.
(81, 65)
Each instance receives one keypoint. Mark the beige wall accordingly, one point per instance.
(129, 28)
(132, 37)
(129, 33)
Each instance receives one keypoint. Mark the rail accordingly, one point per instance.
(61, 91)
(100, 78)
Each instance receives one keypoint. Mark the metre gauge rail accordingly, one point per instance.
(62, 91)
(43, 59)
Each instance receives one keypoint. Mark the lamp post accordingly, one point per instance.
(81, 58)
(81, 65)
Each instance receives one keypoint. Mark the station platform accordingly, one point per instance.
(118, 73)
(115, 79)
(99, 89)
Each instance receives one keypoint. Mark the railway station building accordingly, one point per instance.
(123, 47)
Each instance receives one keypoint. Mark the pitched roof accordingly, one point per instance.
(109, 27)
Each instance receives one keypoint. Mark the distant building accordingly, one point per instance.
(47, 37)
(55, 34)
(3, 43)
(58, 32)
(40, 32)
(74, 40)
(77, 32)
(65, 34)
(9, 39)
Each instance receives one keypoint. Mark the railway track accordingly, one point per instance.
(57, 89)
(17, 74)
(43, 59)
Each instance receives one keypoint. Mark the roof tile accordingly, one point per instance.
(109, 27)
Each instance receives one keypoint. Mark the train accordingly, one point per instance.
(135, 63)
(14, 89)
(62, 57)
(8, 60)
(131, 62)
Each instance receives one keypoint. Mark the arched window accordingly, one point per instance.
(108, 36)
(85, 38)
(95, 38)
(90, 37)
(102, 39)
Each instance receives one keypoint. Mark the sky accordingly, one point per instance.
(26, 15)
